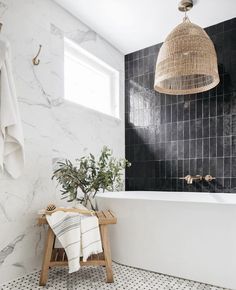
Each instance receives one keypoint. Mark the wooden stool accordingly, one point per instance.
(54, 257)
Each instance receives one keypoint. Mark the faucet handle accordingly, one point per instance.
(209, 178)
(187, 178)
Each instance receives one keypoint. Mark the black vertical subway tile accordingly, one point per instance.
(233, 185)
(227, 146)
(233, 168)
(192, 166)
(206, 146)
(199, 151)
(180, 129)
(186, 110)
(163, 99)
(168, 168)
(213, 167)
(186, 130)
(220, 126)
(168, 151)
(168, 113)
(233, 125)
(174, 132)
(199, 166)
(227, 125)
(162, 114)
(192, 148)
(180, 111)
(220, 185)
(205, 165)
(180, 149)
(157, 99)
(163, 169)
(213, 127)
(233, 144)
(220, 105)
(227, 185)
(174, 149)
(168, 99)
(233, 103)
(192, 129)
(168, 132)
(163, 132)
(206, 129)
(213, 107)
(199, 128)
(174, 168)
(135, 67)
(174, 184)
(192, 113)
(186, 167)
(212, 92)
(212, 150)
(186, 148)
(157, 169)
(174, 113)
(206, 108)
(227, 104)
(145, 65)
(199, 109)
(220, 146)
(205, 186)
(227, 165)
(220, 167)
(180, 168)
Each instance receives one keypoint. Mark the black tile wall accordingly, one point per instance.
(168, 137)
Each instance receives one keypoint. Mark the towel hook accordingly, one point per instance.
(35, 60)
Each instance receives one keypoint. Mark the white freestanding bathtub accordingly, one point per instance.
(188, 235)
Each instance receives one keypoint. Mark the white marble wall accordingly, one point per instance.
(53, 128)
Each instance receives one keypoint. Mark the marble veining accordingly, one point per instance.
(4, 253)
(53, 128)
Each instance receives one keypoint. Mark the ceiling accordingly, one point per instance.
(131, 25)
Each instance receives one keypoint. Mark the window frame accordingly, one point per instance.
(86, 58)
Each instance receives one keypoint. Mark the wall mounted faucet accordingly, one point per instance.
(189, 178)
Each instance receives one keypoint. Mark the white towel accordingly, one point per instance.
(91, 239)
(11, 134)
(68, 229)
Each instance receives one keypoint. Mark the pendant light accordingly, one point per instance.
(187, 61)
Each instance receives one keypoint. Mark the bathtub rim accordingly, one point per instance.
(164, 196)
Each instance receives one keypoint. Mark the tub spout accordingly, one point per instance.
(189, 178)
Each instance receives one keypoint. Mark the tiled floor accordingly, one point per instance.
(89, 278)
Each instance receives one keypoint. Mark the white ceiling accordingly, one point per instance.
(131, 25)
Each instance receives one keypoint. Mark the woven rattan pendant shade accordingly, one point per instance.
(187, 62)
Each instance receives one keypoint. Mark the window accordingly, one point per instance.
(89, 81)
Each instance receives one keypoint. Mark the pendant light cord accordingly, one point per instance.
(185, 19)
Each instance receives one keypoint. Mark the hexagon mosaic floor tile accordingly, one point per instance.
(93, 278)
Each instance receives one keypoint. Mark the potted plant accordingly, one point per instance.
(89, 176)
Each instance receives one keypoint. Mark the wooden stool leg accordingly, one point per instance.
(47, 257)
(107, 252)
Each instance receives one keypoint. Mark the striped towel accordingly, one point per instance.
(90, 234)
(78, 235)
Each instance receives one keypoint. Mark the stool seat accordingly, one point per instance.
(54, 257)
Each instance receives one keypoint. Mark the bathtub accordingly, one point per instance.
(187, 235)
